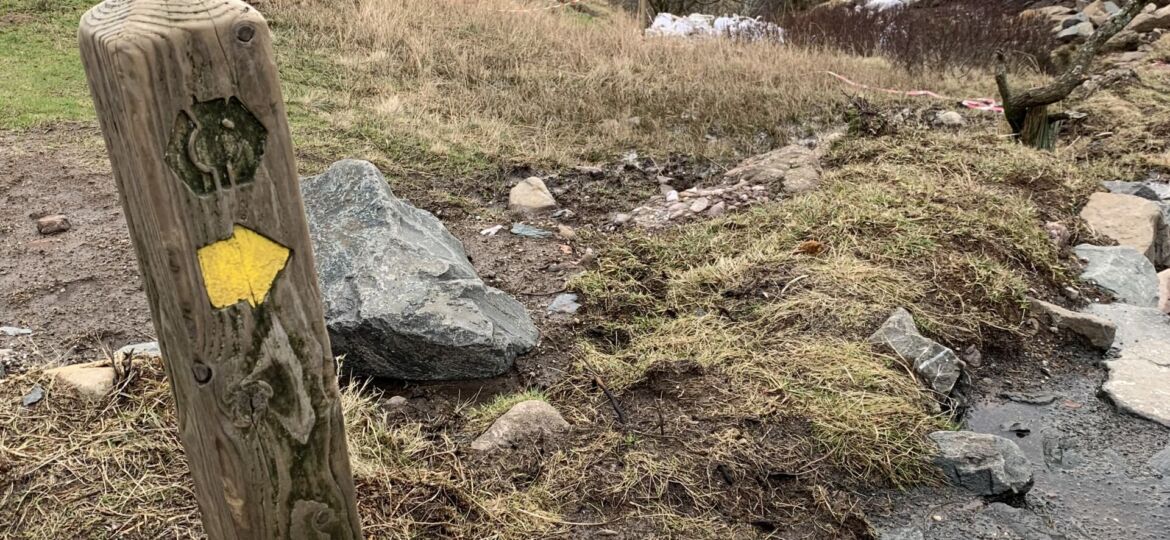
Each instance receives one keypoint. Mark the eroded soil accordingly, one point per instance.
(78, 291)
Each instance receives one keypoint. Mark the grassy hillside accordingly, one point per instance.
(755, 405)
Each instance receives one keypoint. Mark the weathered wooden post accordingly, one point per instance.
(190, 105)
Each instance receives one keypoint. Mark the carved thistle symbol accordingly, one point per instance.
(216, 145)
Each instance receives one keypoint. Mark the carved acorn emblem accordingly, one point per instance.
(216, 145)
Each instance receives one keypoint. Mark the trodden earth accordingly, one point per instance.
(585, 282)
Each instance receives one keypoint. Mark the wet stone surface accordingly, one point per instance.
(1093, 467)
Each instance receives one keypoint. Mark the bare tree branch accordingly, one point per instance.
(1078, 70)
(1027, 111)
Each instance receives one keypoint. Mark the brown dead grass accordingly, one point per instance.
(752, 402)
(424, 85)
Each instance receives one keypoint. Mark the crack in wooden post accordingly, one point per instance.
(189, 103)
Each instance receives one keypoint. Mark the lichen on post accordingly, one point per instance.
(189, 102)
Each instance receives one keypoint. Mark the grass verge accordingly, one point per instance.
(42, 77)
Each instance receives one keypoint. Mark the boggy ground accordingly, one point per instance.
(746, 402)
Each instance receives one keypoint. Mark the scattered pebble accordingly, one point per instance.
(54, 224)
(949, 119)
(1030, 399)
(530, 196)
(33, 396)
(491, 231)
(971, 356)
(1058, 233)
(12, 331)
(521, 229)
(590, 170)
(564, 303)
(695, 202)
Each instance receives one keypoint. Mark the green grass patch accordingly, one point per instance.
(949, 226)
(43, 80)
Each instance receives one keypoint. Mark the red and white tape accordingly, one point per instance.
(979, 104)
(559, 4)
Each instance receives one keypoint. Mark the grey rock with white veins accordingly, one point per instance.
(939, 366)
(401, 298)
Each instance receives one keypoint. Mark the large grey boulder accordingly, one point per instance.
(1121, 270)
(1139, 378)
(401, 298)
(939, 366)
(986, 465)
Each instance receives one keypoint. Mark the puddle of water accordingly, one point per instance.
(1092, 480)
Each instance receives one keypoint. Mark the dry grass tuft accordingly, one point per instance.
(114, 469)
(450, 86)
(948, 226)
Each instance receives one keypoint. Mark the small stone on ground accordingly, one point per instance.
(522, 229)
(34, 396)
(939, 366)
(531, 196)
(564, 303)
(139, 351)
(527, 421)
(54, 224)
(93, 380)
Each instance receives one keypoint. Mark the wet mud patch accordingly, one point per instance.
(1093, 477)
(78, 291)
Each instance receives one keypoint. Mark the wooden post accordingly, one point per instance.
(189, 103)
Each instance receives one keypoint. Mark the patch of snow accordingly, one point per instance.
(704, 26)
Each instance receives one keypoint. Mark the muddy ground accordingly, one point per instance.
(80, 294)
(78, 291)
(1093, 476)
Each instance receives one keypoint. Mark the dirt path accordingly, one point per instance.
(78, 291)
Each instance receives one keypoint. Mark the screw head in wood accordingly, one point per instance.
(245, 32)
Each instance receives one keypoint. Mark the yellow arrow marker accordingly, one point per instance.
(242, 267)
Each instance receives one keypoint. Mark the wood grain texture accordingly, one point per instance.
(258, 406)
